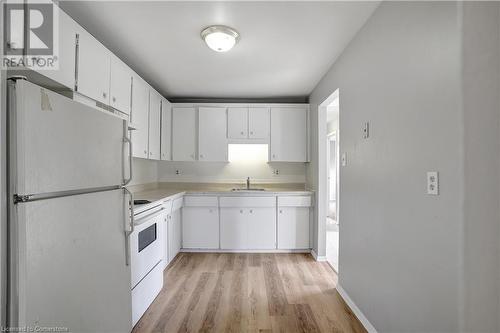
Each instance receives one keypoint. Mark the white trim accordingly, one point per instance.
(357, 312)
(316, 257)
(243, 251)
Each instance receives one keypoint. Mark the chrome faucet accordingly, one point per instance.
(248, 183)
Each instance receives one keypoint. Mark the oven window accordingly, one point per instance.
(146, 237)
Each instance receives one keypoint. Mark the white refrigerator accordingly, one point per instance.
(69, 215)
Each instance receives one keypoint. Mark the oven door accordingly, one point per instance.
(146, 249)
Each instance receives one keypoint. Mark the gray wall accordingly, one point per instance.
(481, 61)
(400, 249)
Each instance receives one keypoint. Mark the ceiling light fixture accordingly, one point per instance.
(220, 38)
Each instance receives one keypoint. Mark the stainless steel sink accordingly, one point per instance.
(247, 189)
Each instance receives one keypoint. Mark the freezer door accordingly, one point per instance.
(69, 265)
(58, 144)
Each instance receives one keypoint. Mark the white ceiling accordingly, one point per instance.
(285, 47)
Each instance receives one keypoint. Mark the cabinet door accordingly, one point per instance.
(174, 235)
(261, 228)
(183, 134)
(120, 85)
(154, 125)
(237, 123)
(93, 70)
(140, 117)
(258, 123)
(212, 134)
(166, 130)
(293, 228)
(233, 229)
(289, 134)
(200, 228)
(167, 219)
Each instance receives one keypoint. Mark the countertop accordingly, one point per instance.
(161, 191)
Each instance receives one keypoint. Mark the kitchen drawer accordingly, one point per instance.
(177, 204)
(294, 201)
(167, 206)
(252, 202)
(146, 291)
(200, 201)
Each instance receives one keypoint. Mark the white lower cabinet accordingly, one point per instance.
(248, 223)
(200, 223)
(233, 229)
(174, 234)
(293, 223)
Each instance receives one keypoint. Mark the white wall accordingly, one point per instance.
(231, 172)
(145, 171)
(400, 257)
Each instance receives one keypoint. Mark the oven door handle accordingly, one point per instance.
(148, 217)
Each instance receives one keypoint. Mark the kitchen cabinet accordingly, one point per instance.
(154, 124)
(120, 85)
(248, 123)
(174, 234)
(200, 223)
(140, 117)
(233, 229)
(293, 222)
(288, 134)
(258, 123)
(166, 130)
(184, 134)
(93, 68)
(212, 134)
(248, 223)
(261, 228)
(237, 123)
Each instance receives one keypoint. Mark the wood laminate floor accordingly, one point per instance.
(233, 292)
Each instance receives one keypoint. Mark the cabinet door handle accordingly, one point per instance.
(281, 212)
(241, 211)
(201, 155)
(251, 211)
(242, 133)
(251, 133)
(104, 94)
(114, 99)
(210, 210)
(145, 152)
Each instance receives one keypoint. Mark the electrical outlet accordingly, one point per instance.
(433, 183)
(276, 172)
(177, 172)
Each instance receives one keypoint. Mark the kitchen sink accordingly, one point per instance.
(247, 189)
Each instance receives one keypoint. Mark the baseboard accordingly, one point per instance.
(316, 257)
(357, 312)
(243, 251)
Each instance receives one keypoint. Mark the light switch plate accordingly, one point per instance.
(433, 183)
(344, 159)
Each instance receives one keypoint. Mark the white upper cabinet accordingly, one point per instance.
(212, 134)
(237, 123)
(258, 123)
(184, 134)
(93, 68)
(154, 124)
(166, 130)
(288, 134)
(120, 85)
(140, 117)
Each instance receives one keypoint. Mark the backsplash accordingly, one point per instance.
(233, 172)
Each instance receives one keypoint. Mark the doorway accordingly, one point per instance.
(332, 169)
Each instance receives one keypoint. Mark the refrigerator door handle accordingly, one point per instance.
(129, 227)
(129, 142)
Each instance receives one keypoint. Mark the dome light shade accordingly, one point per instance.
(220, 38)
